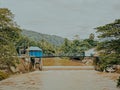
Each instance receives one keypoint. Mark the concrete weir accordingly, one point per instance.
(68, 68)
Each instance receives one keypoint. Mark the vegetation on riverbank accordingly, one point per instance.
(3, 75)
(9, 35)
(109, 45)
(118, 82)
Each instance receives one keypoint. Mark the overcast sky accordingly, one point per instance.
(64, 18)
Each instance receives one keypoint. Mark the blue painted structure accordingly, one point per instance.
(35, 52)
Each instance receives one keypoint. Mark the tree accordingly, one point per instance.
(75, 47)
(91, 36)
(65, 48)
(9, 30)
(9, 35)
(85, 45)
(109, 36)
(46, 47)
(24, 43)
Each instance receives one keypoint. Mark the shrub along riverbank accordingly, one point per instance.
(3, 75)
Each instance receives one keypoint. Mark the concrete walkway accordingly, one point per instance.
(59, 80)
(68, 68)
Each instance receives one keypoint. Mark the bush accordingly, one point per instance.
(3, 75)
(118, 82)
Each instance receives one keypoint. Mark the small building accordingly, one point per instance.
(35, 52)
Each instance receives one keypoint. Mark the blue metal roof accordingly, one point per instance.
(32, 48)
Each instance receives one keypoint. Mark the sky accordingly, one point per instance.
(65, 18)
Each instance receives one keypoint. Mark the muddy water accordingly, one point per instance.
(59, 80)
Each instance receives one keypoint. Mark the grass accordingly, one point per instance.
(61, 62)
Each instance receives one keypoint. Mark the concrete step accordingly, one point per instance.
(68, 68)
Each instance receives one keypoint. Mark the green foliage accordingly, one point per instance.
(91, 43)
(118, 82)
(8, 28)
(25, 42)
(76, 47)
(110, 31)
(66, 46)
(70, 47)
(85, 45)
(8, 55)
(91, 37)
(3, 75)
(57, 45)
(35, 36)
(46, 47)
(9, 35)
(108, 46)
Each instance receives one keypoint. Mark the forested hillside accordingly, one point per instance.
(35, 36)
